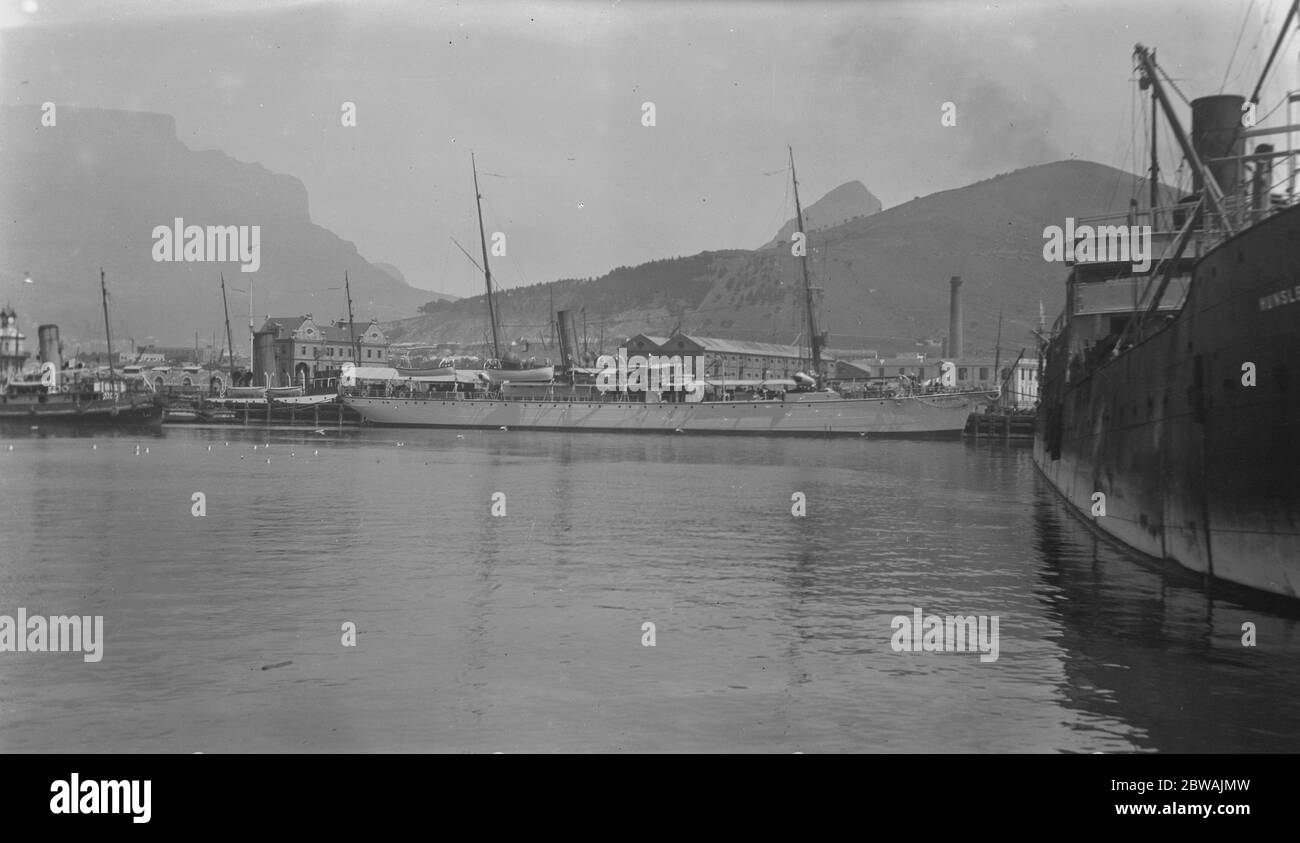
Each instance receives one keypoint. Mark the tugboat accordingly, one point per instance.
(72, 396)
(1170, 406)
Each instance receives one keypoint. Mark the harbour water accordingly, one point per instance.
(524, 631)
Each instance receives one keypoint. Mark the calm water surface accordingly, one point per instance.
(524, 632)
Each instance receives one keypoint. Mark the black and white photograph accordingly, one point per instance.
(756, 377)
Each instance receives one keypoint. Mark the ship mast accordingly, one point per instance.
(108, 334)
(997, 360)
(1155, 160)
(356, 352)
(813, 338)
(1281, 36)
(487, 270)
(230, 342)
(1211, 188)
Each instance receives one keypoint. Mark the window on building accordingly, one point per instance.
(367, 354)
(1006, 373)
(329, 352)
(984, 373)
(304, 351)
(961, 374)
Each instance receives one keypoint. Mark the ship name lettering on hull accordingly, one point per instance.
(1289, 295)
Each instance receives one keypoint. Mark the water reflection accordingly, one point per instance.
(1154, 650)
(524, 632)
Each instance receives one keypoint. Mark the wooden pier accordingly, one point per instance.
(1004, 426)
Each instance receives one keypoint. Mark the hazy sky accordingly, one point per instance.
(549, 96)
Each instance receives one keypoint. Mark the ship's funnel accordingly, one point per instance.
(567, 327)
(1216, 133)
(954, 319)
(49, 342)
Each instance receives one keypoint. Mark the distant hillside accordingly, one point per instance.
(885, 276)
(848, 201)
(394, 272)
(88, 192)
(626, 301)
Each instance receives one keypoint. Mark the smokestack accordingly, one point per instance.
(49, 344)
(566, 323)
(955, 345)
(1216, 127)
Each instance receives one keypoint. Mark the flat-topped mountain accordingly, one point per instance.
(88, 192)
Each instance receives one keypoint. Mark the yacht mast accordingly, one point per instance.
(103, 289)
(356, 351)
(230, 342)
(814, 338)
(487, 270)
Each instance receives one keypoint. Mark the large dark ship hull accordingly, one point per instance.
(57, 411)
(1196, 466)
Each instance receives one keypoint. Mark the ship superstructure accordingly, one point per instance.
(1170, 397)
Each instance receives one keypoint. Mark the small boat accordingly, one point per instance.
(217, 413)
(441, 370)
(539, 374)
(302, 400)
(244, 396)
(176, 415)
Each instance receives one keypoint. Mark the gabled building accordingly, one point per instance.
(645, 344)
(290, 350)
(729, 359)
(1019, 378)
